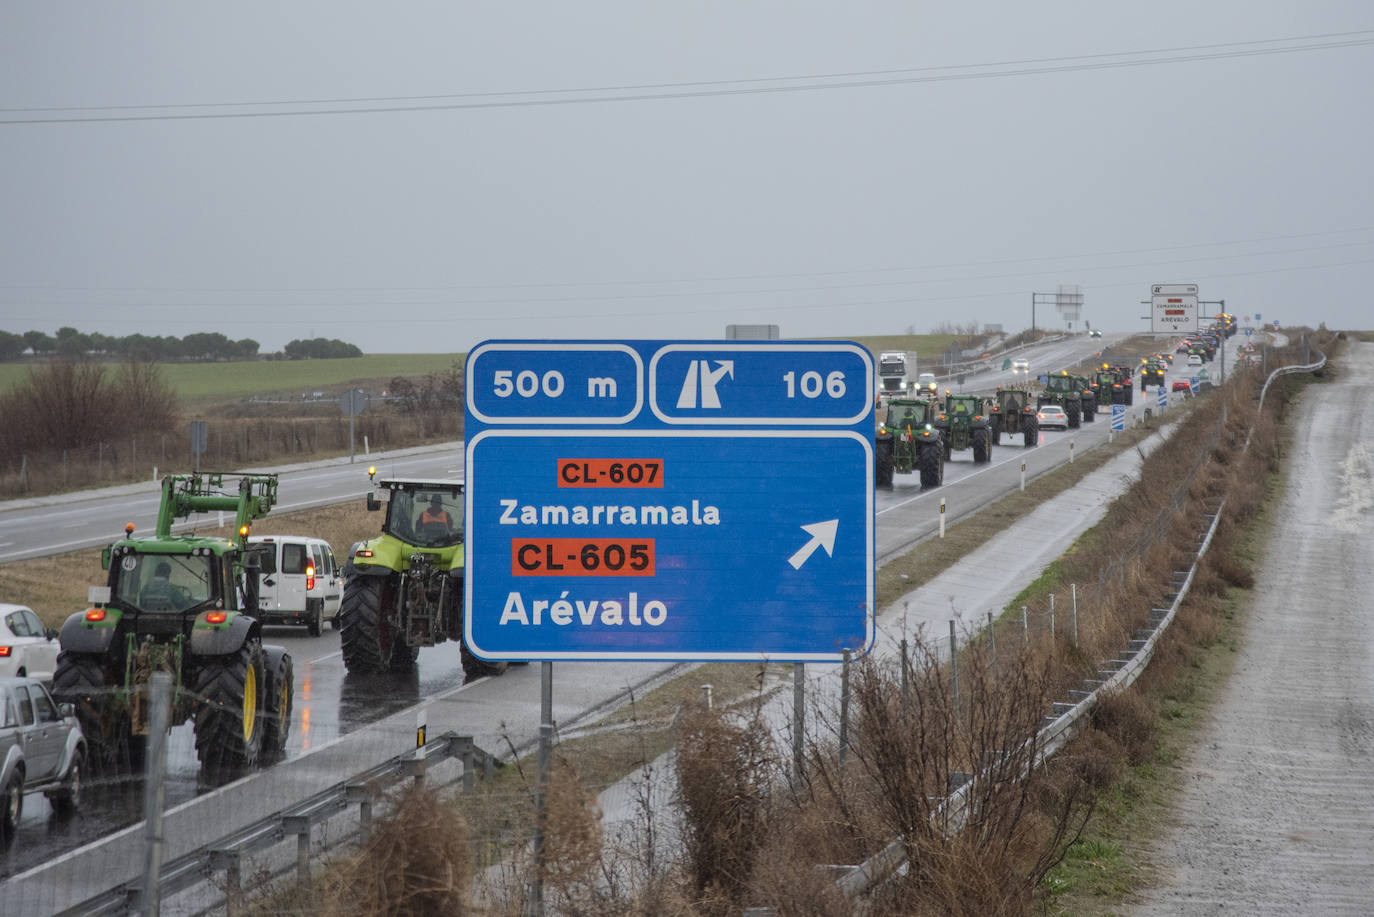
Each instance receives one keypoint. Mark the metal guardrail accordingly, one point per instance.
(227, 854)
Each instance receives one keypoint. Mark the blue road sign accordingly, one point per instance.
(669, 500)
(1118, 417)
(1163, 397)
(1258, 317)
(1249, 331)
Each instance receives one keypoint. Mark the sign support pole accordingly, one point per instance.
(798, 717)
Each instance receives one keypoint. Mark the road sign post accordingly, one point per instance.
(1118, 418)
(199, 439)
(1173, 308)
(352, 403)
(669, 500)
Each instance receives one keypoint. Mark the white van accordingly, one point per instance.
(300, 582)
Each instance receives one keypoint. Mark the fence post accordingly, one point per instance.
(1073, 592)
(953, 663)
(1051, 614)
(992, 639)
(906, 679)
(155, 791)
(1025, 625)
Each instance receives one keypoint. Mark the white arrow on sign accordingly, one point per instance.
(822, 535)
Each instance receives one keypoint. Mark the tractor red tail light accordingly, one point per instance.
(216, 617)
(309, 577)
(363, 552)
(95, 614)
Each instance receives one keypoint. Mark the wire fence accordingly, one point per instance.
(233, 443)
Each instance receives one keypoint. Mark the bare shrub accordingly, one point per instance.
(790, 876)
(987, 852)
(1127, 720)
(572, 843)
(144, 400)
(725, 776)
(415, 863)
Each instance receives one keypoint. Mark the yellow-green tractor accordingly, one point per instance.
(404, 588)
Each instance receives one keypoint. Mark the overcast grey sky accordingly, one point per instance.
(663, 169)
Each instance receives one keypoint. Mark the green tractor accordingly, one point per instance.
(1069, 392)
(1109, 387)
(907, 441)
(185, 605)
(963, 422)
(404, 589)
(1013, 412)
(1152, 373)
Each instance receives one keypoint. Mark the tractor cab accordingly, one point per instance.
(426, 514)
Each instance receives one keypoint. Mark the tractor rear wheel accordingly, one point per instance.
(474, 668)
(1089, 410)
(280, 687)
(885, 461)
(231, 708)
(370, 643)
(82, 680)
(1071, 410)
(982, 446)
(932, 465)
(1030, 430)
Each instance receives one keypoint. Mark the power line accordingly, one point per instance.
(736, 278)
(780, 309)
(709, 88)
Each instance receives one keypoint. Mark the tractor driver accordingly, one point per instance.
(435, 514)
(160, 594)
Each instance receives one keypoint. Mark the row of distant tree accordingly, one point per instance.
(201, 347)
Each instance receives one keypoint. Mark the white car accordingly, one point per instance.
(26, 648)
(925, 382)
(1020, 365)
(1052, 415)
(1194, 359)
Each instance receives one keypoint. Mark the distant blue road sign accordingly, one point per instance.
(1258, 317)
(1118, 417)
(1249, 331)
(1276, 323)
(693, 500)
(1163, 397)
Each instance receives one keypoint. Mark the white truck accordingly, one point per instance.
(896, 372)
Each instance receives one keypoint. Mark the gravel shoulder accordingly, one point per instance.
(1277, 811)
